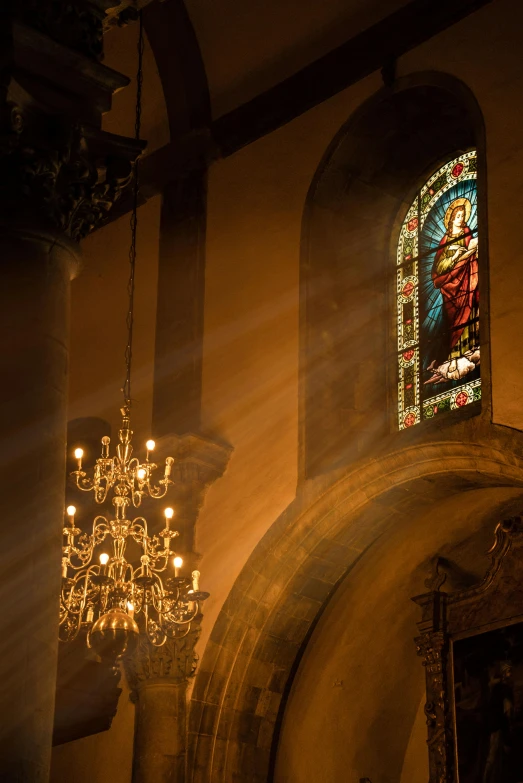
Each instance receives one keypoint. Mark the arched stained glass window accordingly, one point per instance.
(438, 296)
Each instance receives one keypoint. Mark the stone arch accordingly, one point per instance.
(265, 622)
(180, 65)
(360, 192)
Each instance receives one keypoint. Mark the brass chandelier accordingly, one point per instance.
(112, 600)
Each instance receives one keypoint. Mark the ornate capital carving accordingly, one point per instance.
(198, 463)
(58, 169)
(175, 661)
(70, 175)
(77, 24)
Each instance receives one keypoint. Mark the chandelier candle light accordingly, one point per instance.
(113, 600)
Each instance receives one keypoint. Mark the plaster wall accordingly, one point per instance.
(120, 53)
(353, 710)
(256, 199)
(98, 324)
(264, 42)
(250, 362)
(101, 757)
(251, 333)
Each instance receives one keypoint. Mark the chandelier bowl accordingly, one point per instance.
(113, 634)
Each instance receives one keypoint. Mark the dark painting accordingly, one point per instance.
(488, 686)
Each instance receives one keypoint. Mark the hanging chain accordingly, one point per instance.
(134, 223)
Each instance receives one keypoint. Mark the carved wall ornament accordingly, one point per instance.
(71, 174)
(78, 24)
(175, 661)
(448, 619)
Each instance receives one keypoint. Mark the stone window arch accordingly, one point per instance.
(355, 208)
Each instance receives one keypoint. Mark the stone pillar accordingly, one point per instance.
(158, 678)
(198, 463)
(59, 176)
(179, 313)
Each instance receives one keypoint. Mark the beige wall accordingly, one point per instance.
(353, 710)
(101, 757)
(250, 363)
(98, 323)
(120, 53)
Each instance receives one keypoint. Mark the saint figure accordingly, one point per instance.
(455, 274)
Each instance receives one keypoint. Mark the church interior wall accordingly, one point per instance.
(250, 398)
(354, 703)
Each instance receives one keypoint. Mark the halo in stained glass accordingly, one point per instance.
(437, 296)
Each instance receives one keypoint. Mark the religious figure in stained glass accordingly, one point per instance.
(438, 296)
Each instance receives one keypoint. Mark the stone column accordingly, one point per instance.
(198, 463)
(59, 176)
(158, 678)
(180, 301)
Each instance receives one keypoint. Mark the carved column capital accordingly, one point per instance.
(175, 662)
(69, 175)
(198, 463)
(78, 24)
(58, 170)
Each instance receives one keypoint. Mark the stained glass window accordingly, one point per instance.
(437, 296)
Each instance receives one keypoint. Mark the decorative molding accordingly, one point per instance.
(78, 24)
(69, 173)
(433, 649)
(58, 169)
(198, 463)
(175, 661)
(495, 602)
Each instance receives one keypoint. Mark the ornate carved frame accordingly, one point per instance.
(496, 602)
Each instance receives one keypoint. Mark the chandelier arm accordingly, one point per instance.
(106, 591)
(100, 530)
(190, 619)
(177, 635)
(158, 492)
(158, 569)
(100, 492)
(84, 554)
(83, 575)
(138, 599)
(158, 599)
(70, 637)
(82, 482)
(142, 528)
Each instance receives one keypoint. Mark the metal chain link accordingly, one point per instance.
(134, 223)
